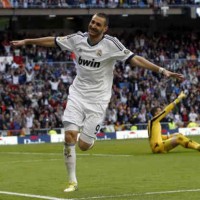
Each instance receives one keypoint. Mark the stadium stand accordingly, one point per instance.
(29, 99)
(93, 3)
(34, 81)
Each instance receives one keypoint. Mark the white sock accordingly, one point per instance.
(70, 161)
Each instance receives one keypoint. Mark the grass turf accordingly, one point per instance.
(115, 169)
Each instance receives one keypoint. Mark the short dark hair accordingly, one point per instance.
(105, 16)
(154, 110)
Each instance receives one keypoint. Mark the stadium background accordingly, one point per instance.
(113, 169)
(147, 28)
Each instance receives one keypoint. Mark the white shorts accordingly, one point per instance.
(87, 116)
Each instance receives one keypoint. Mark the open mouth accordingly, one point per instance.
(93, 30)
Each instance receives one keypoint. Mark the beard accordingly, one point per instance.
(94, 32)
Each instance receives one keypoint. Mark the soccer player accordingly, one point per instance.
(162, 143)
(95, 56)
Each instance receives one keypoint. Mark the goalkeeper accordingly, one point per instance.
(163, 143)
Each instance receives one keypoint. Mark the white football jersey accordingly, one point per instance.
(95, 64)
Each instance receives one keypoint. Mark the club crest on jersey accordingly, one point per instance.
(89, 63)
(99, 52)
(126, 51)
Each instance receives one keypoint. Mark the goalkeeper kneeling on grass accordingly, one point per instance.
(162, 143)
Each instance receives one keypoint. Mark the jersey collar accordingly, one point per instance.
(88, 41)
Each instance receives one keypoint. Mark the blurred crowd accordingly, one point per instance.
(94, 3)
(34, 83)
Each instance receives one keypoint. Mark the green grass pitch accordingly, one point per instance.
(115, 169)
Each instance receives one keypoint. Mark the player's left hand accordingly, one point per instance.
(174, 75)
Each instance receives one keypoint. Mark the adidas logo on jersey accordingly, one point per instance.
(89, 63)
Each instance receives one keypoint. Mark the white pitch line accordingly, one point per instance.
(138, 194)
(99, 197)
(27, 153)
(78, 154)
(27, 161)
(57, 154)
(32, 196)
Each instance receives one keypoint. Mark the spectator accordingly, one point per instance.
(29, 119)
(119, 126)
(52, 131)
(29, 75)
(192, 124)
(54, 85)
(193, 115)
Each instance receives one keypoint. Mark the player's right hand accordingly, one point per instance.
(17, 43)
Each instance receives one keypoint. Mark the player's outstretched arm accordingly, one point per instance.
(44, 41)
(171, 106)
(181, 96)
(144, 63)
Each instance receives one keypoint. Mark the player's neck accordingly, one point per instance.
(94, 40)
